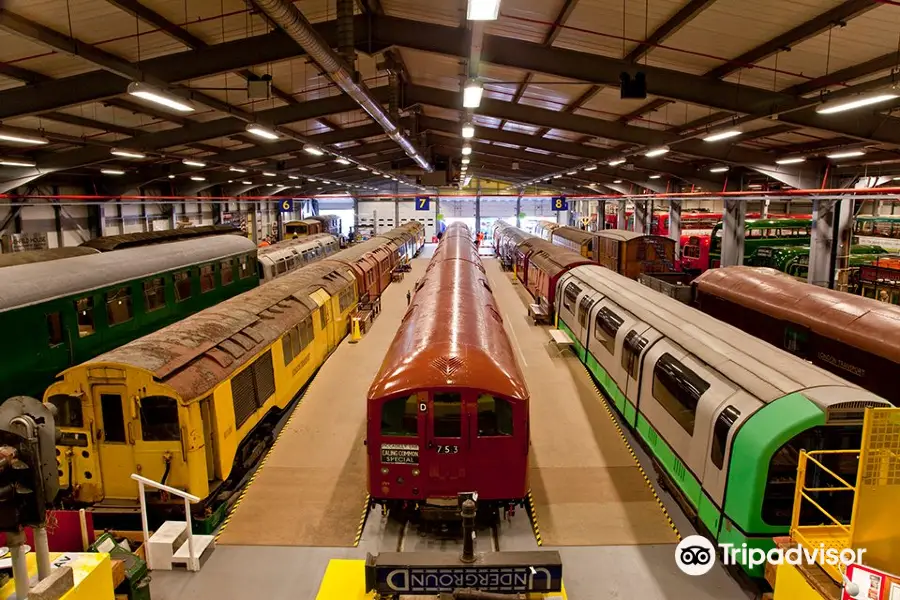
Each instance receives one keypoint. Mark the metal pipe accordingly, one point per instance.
(42, 550)
(291, 20)
(16, 541)
(468, 521)
(345, 32)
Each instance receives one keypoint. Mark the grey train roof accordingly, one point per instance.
(24, 285)
(11, 259)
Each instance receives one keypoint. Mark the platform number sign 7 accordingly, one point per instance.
(423, 202)
(559, 203)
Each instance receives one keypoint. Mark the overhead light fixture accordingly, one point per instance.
(21, 138)
(112, 171)
(247, 182)
(310, 149)
(386, 176)
(617, 181)
(260, 131)
(618, 161)
(655, 176)
(571, 172)
(790, 161)
(843, 104)
(193, 163)
(16, 162)
(231, 181)
(342, 161)
(270, 184)
(466, 150)
(311, 179)
(171, 177)
(557, 176)
(127, 153)
(722, 135)
(362, 168)
(472, 94)
(198, 178)
(237, 170)
(270, 174)
(848, 154)
(656, 152)
(158, 96)
(468, 131)
(294, 177)
(718, 169)
(483, 10)
(466, 160)
(590, 168)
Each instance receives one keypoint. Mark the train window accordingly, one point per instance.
(346, 298)
(227, 271)
(54, 329)
(727, 418)
(569, 297)
(632, 347)
(796, 338)
(323, 315)
(606, 326)
(584, 309)
(678, 390)
(154, 294)
(118, 306)
(287, 348)
(84, 308)
(307, 335)
(113, 418)
(281, 267)
(68, 410)
(295, 339)
(207, 278)
(495, 416)
(400, 417)
(447, 415)
(159, 419)
(244, 269)
(182, 285)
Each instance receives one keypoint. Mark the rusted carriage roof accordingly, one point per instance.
(35, 256)
(553, 260)
(575, 235)
(299, 244)
(144, 238)
(451, 337)
(857, 321)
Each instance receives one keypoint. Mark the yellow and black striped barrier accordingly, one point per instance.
(362, 521)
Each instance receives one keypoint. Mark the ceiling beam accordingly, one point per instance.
(863, 69)
(639, 112)
(669, 28)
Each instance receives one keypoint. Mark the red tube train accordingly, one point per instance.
(448, 410)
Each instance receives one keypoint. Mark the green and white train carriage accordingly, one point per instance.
(724, 413)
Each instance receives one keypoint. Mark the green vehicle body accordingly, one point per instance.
(762, 232)
(32, 362)
(794, 260)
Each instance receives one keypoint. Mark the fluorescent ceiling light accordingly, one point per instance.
(848, 154)
(112, 172)
(655, 176)
(472, 94)
(361, 168)
(237, 170)
(311, 179)
(310, 149)
(247, 182)
(171, 177)
(158, 96)
(718, 169)
(571, 172)
(262, 132)
(126, 153)
(19, 138)
(468, 131)
(722, 135)
(892, 179)
(617, 162)
(656, 152)
(193, 163)
(294, 177)
(342, 161)
(198, 178)
(590, 168)
(557, 176)
(841, 105)
(386, 176)
(483, 10)
(270, 184)
(617, 181)
(466, 150)
(17, 162)
(270, 174)
(790, 161)
(466, 160)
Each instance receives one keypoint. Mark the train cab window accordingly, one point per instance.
(54, 329)
(727, 418)
(118, 306)
(244, 268)
(447, 415)
(346, 298)
(569, 297)
(154, 294)
(584, 309)
(113, 418)
(495, 416)
(281, 267)
(68, 410)
(678, 390)
(159, 419)
(227, 271)
(207, 278)
(182, 285)
(84, 308)
(632, 348)
(400, 417)
(606, 326)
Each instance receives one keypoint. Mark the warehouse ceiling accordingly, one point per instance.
(385, 104)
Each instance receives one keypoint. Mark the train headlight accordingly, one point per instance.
(384, 470)
(415, 472)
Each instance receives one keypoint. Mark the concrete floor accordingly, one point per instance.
(645, 572)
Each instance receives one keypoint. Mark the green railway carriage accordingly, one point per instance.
(794, 260)
(723, 413)
(762, 232)
(61, 313)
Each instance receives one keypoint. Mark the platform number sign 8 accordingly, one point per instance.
(559, 203)
(423, 202)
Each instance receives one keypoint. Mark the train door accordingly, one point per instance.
(447, 447)
(159, 443)
(115, 436)
(322, 298)
(496, 428)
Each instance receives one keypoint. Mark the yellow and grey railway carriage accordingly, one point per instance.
(194, 404)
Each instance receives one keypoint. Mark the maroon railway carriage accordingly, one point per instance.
(546, 265)
(448, 410)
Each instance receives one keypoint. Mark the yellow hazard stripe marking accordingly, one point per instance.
(532, 513)
(362, 521)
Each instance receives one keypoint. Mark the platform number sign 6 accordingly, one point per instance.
(287, 205)
(423, 202)
(559, 203)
